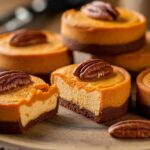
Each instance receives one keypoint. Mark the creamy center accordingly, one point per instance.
(29, 113)
(84, 99)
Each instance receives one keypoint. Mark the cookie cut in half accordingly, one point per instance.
(94, 89)
(37, 52)
(24, 101)
(143, 92)
(100, 28)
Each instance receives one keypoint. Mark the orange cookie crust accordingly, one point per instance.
(93, 96)
(41, 58)
(78, 27)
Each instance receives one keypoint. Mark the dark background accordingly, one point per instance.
(51, 21)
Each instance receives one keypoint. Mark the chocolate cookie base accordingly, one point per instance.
(106, 115)
(98, 50)
(143, 109)
(17, 128)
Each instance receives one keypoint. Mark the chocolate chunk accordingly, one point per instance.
(13, 79)
(93, 70)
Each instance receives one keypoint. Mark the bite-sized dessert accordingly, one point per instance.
(34, 51)
(143, 92)
(94, 89)
(99, 28)
(24, 101)
(134, 61)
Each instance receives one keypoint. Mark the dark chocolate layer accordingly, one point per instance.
(107, 114)
(17, 128)
(97, 49)
(143, 109)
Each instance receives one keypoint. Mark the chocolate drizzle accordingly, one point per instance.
(13, 79)
(93, 70)
(101, 10)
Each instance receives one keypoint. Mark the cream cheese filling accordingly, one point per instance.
(84, 99)
(29, 113)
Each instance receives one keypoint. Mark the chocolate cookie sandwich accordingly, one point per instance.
(34, 51)
(99, 28)
(143, 92)
(94, 89)
(24, 101)
(134, 61)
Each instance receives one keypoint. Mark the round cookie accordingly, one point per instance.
(98, 36)
(94, 89)
(134, 61)
(34, 51)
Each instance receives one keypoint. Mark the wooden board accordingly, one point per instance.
(70, 131)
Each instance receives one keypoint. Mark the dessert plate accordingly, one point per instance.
(70, 131)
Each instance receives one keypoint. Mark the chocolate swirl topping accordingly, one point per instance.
(93, 70)
(101, 10)
(27, 37)
(13, 79)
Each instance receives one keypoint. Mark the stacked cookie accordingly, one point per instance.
(112, 33)
(94, 88)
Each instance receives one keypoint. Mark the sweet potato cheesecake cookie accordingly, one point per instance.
(24, 101)
(143, 92)
(94, 89)
(34, 51)
(99, 28)
(134, 61)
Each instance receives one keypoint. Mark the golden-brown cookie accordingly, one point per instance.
(24, 101)
(94, 89)
(98, 35)
(33, 51)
